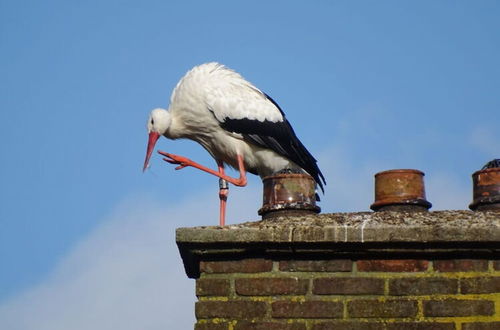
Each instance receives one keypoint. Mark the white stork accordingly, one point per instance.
(238, 124)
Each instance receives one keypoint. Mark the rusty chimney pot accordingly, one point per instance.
(400, 190)
(288, 194)
(486, 190)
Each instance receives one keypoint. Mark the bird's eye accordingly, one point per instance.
(152, 121)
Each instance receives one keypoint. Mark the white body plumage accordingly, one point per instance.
(229, 116)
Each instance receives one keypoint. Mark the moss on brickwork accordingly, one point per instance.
(446, 308)
(348, 272)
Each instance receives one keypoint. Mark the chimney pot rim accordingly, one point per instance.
(401, 170)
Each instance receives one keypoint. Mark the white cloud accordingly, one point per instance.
(127, 274)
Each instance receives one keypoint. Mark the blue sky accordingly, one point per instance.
(367, 85)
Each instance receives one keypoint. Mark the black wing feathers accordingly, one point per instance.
(279, 137)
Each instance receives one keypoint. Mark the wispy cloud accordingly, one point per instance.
(127, 274)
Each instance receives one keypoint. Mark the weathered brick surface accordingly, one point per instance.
(348, 285)
(458, 307)
(211, 326)
(409, 265)
(270, 286)
(212, 287)
(481, 326)
(307, 309)
(236, 266)
(460, 265)
(339, 265)
(480, 285)
(422, 285)
(376, 308)
(411, 271)
(346, 325)
(420, 326)
(232, 309)
(410, 287)
(247, 325)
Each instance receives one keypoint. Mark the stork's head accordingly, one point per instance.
(158, 123)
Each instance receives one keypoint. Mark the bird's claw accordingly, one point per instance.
(180, 167)
(176, 160)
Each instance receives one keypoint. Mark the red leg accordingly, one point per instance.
(223, 193)
(184, 162)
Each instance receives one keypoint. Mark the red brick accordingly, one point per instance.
(212, 287)
(461, 265)
(270, 286)
(420, 326)
(339, 265)
(246, 325)
(236, 266)
(409, 265)
(376, 308)
(308, 309)
(422, 286)
(347, 325)
(481, 326)
(230, 309)
(211, 326)
(480, 285)
(348, 285)
(458, 307)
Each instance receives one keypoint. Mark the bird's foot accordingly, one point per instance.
(184, 162)
(176, 160)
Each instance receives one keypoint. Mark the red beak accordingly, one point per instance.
(153, 137)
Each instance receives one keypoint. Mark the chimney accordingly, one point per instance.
(361, 270)
(288, 194)
(400, 190)
(486, 188)
(365, 270)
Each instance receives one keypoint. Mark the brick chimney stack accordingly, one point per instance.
(382, 270)
(404, 268)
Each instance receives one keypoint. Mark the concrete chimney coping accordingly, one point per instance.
(360, 227)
